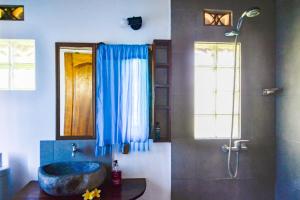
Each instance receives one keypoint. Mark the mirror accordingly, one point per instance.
(75, 90)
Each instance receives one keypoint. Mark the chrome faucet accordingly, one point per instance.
(74, 149)
(238, 145)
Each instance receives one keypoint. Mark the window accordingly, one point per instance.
(217, 17)
(214, 71)
(12, 12)
(17, 64)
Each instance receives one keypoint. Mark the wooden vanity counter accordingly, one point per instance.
(130, 189)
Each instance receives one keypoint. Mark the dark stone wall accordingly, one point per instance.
(199, 168)
(288, 103)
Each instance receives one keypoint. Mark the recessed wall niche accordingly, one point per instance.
(217, 17)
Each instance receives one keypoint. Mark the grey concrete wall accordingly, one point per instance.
(199, 167)
(288, 103)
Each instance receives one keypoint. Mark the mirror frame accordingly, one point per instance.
(59, 45)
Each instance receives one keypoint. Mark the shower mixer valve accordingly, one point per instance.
(238, 145)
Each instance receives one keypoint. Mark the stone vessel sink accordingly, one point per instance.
(71, 178)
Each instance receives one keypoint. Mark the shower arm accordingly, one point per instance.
(240, 22)
(271, 91)
(251, 12)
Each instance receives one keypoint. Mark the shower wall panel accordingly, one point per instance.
(199, 168)
(288, 102)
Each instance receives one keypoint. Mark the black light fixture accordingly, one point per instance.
(135, 22)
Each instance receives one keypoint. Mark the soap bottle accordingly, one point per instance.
(116, 174)
(157, 131)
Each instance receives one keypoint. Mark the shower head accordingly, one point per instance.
(251, 12)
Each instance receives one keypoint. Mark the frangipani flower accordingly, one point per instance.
(96, 193)
(88, 195)
(91, 195)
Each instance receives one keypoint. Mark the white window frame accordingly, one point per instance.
(12, 66)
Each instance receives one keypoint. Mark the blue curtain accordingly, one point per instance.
(122, 97)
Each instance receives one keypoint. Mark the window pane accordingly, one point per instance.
(23, 51)
(26, 65)
(224, 103)
(4, 51)
(205, 79)
(4, 78)
(225, 79)
(23, 79)
(205, 56)
(205, 126)
(225, 57)
(17, 62)
(223, 126)
(205, 103)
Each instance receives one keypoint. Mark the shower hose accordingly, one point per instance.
(233, 172)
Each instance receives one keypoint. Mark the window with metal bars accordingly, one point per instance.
(217, 17)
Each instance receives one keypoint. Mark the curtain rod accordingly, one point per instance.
(101, 43)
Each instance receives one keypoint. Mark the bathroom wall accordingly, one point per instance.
(155, 166)
(26, 117)
(199, 168)
(60, 151)
(287, 104)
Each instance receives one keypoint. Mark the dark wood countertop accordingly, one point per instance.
(130, 189)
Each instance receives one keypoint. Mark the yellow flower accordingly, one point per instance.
(88, 195)
(96, 193)
(91, 195)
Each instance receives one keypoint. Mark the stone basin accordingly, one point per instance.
(71, 178)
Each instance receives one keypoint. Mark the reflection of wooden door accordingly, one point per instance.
(78, 95)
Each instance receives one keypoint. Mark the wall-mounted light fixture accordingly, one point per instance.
(135, 22)
(12, 12)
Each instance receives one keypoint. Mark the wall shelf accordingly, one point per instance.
(162, 66)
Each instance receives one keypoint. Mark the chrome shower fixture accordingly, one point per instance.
(232, 33)
(239, 144)
(271, 91)
(251, 12)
